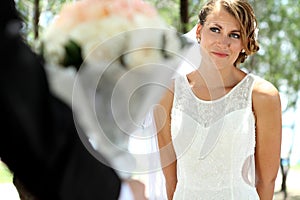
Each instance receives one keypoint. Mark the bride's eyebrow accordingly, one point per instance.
(215, 24)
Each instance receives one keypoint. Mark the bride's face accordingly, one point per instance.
(220, 37)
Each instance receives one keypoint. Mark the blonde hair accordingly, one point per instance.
(242, 11)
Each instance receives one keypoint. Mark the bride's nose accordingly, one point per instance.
(223, 40)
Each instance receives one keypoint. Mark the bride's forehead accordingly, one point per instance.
(222, 17)
(220, 13)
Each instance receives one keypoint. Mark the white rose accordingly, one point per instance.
(104, 40)
(54, 41)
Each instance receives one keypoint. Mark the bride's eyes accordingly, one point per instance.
(231, 35)
(214, 29)
(234, 35)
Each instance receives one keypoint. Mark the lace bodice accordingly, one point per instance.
(214, 142)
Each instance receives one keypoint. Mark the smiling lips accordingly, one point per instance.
(220, 54)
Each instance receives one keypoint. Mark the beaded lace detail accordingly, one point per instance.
(208, 112)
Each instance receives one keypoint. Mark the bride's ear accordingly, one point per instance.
(198, 32)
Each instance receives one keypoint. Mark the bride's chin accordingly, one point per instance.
(220, 65)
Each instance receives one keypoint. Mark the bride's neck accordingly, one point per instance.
(213, 77)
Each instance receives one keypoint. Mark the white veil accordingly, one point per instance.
(193, 57)
(151, 174)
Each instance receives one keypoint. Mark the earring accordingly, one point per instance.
(198, 40)
(243, 52)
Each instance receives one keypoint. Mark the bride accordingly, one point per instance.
(219, 129)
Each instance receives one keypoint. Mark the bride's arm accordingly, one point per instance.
(167, 153)
(267, 109)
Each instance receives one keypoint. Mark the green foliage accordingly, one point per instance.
(26, 10)
(170, 11)
(277, 60)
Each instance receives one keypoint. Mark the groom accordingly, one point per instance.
(40, 143)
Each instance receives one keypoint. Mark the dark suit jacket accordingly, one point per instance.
(38, 139)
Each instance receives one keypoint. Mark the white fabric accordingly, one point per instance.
(193, 56)
(8, 191)
(148, 167)
(126, 192)
(214, 143)
(151, 171)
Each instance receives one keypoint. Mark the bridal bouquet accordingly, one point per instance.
(111, 60)
(84, 25)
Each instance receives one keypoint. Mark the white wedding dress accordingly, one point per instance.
(214, 143)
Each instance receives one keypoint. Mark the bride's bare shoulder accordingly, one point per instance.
(265, 94)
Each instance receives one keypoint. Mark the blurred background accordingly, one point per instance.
(276, 61)
(279, 33)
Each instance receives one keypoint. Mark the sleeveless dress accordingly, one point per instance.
(214, 143)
